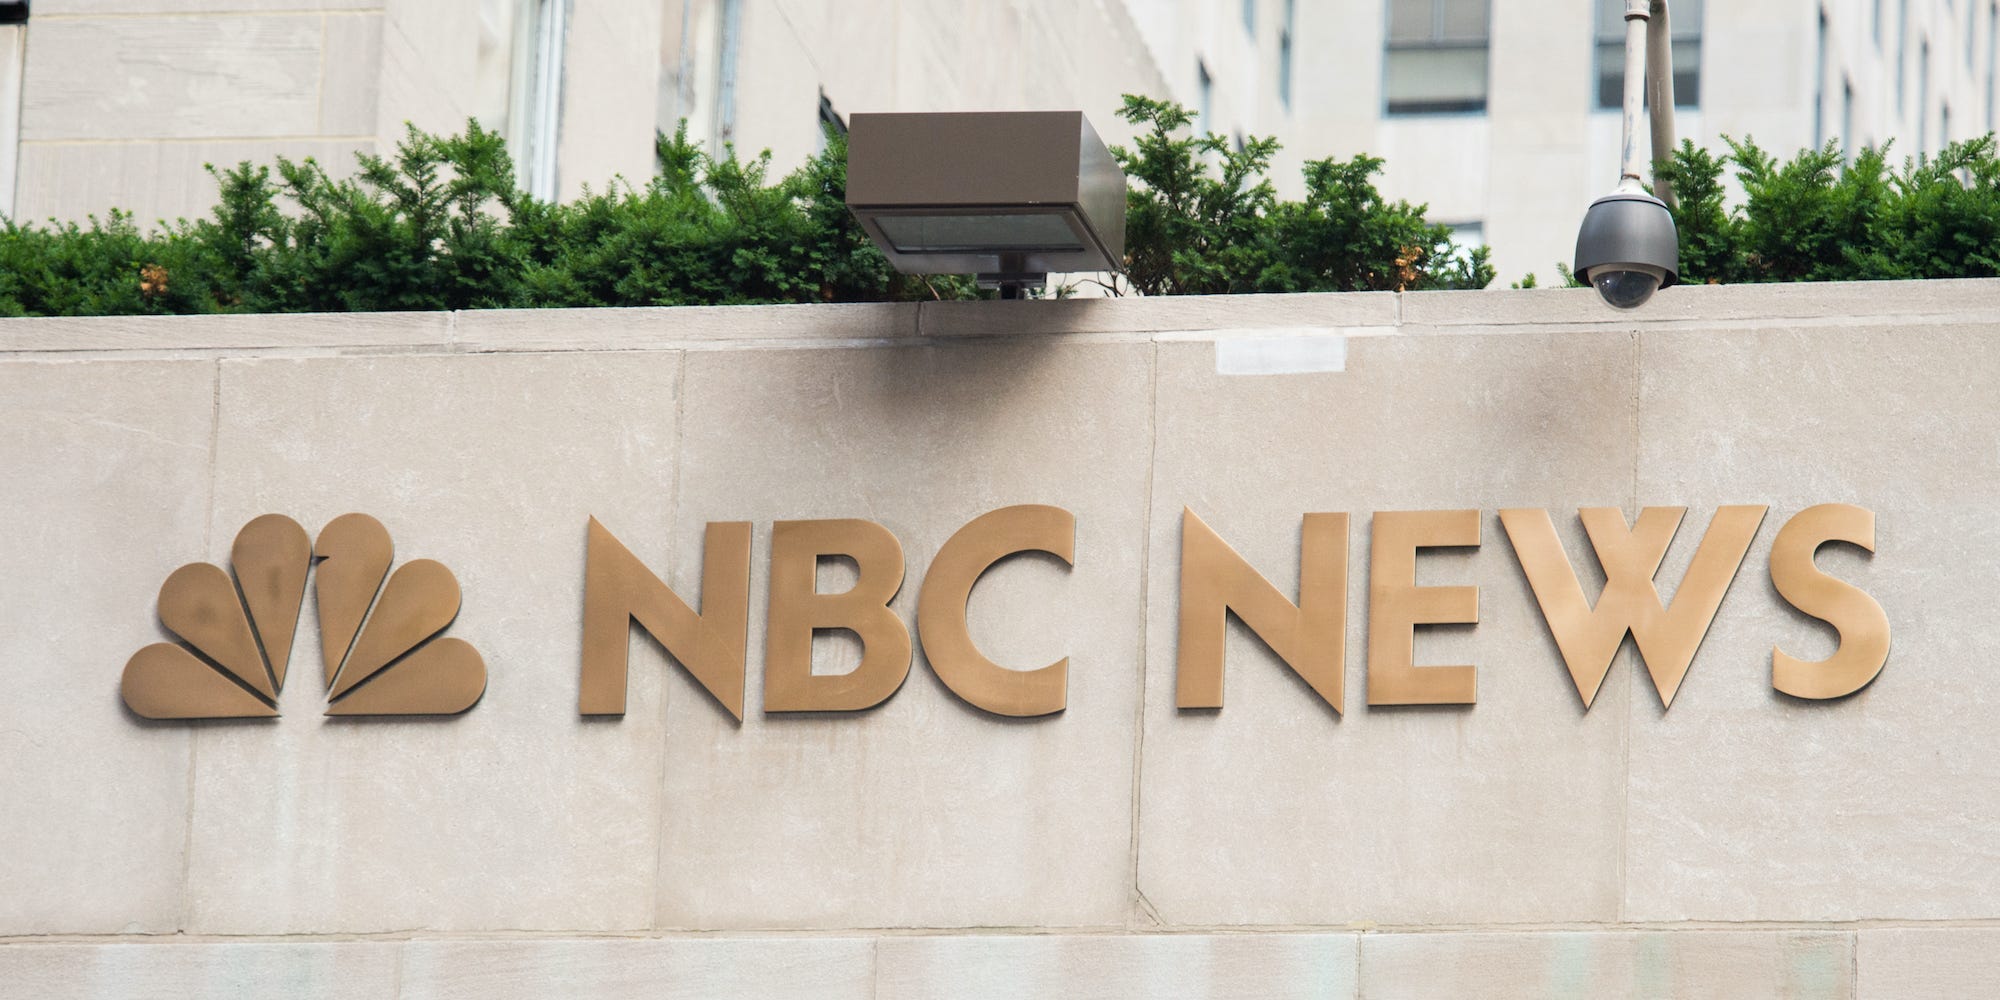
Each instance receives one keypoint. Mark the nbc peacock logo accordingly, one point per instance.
(379, 633)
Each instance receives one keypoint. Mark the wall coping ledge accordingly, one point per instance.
(1191, 317)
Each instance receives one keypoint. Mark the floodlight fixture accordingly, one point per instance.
(1628, 247)
(1009, 196)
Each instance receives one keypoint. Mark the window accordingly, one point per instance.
(493, 66)
(1435, 60)
(1847, 142)
(13, 54)
(1285, 53)
(1902, 56)
(1468, 236)
(728, 55)
(1923, 99)
(829, 120)
(533, 119)
(1971, 34)
(1819, 86)
(1685, 20)
(1250, 17)
(1878, 25)
(1206, 111)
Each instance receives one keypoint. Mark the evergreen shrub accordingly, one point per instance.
(1817, 218)
(440, 224)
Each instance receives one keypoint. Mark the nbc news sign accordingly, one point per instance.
(383, 652)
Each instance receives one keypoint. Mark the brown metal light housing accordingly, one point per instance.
(1009, 196)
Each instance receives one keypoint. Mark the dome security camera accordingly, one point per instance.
(1628, 247)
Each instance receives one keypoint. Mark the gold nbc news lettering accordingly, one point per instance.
(382, 651)
(1308, 635)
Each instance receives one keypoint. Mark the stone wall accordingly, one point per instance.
(1743, 843)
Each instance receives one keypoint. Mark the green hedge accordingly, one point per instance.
(1195, 229)
(442, 225)
(1816, 218)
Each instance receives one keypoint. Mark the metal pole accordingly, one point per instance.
(1636, 14)
(1660, 95)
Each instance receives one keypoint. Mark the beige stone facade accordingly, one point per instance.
(1742, 843)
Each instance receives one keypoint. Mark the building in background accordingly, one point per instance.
(1500, 115)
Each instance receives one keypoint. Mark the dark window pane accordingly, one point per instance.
(1687, 89)
(1687, 73)
(1687, 70)
(1205, 112)
(1611, 76)
(1436, 56)
(1611, 20)
(1285, 68)
(1463, 21)
(1684, 17)
(1410, 20)
(1435, 79)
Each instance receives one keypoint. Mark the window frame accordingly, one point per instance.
(534, 117)
(1683, 35)
(1287, 28)
(13, 64)
(1821, 91)
(1923, 100)
(1205, 89)
(1992, 64)
(1437, 42)
(1902, 58)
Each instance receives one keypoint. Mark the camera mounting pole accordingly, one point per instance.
(1649, 84)
(1628, 246)
(1660, 94)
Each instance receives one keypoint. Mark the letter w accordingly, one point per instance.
(1667, 638)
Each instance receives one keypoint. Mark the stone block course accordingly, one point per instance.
(1275, 810)
(1926, 963)
(1795, 965)
(1745, 804)
(652, 969)
(206, 76)
(157, 182)
(1102, 967)
(519, 814)
(296, 970)
(919, 439)
(103, 491)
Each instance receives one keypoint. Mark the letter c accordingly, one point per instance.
(941, 608)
